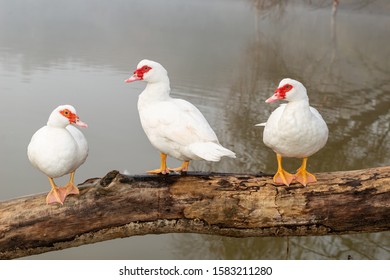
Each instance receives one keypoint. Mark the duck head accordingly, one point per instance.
(64, 115)
(289, 90)
(149, 71)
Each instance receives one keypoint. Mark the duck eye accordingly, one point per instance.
(66, 113)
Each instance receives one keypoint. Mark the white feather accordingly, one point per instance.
(57, 149)
(295, 129)
(210, 151)
(175, 126)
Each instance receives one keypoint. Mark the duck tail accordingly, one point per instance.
(210, 151)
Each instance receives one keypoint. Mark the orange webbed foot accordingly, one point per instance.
(163, 166)
(55, 196)
(159, 171)
(68, 189)
(183, 168)
(303, 176)
(282, 177)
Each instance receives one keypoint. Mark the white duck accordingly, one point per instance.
(58, 149)
(175, 127)
(295, 130)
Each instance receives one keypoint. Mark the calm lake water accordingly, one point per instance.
(226, 57)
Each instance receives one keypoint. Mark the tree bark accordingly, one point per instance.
(238, 205)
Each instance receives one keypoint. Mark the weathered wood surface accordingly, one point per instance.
(238, 205)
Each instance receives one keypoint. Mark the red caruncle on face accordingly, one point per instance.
(140, 72)
(69, 115)
(282, 91)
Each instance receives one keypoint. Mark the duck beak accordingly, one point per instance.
(277, 96)
(133, 79)
(80, 123)
(272, 99)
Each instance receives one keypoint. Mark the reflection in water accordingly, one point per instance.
(359, 246)
(226, 57)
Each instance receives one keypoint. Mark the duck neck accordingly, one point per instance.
(57, 121)
(156, 91)
(301, 105)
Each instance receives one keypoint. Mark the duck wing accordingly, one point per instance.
(82, 144)
(178, 121)
(275, 116)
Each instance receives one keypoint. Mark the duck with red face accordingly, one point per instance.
(174, 126)
(295, 130)
(58, 149)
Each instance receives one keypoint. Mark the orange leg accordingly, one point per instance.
(282, 176)
(304, 177)
(70, 188)
(55, 195)
(182, 168)
(163, 167)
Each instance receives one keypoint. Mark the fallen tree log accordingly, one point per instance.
(238, 205)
